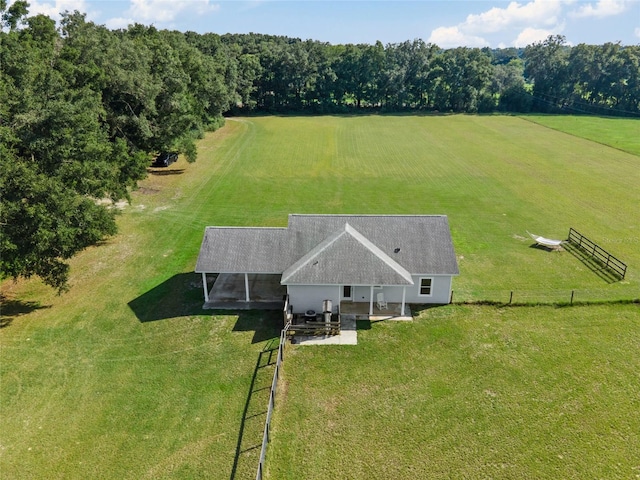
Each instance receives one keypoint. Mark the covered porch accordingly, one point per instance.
(362, 311)
(243, 291)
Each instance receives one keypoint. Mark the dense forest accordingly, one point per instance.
(83, 109)
(279, 74)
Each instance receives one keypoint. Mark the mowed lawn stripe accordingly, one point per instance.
(620, 133)
(496, 177)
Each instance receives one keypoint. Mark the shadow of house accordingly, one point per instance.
(180, 296)
(419, 308)
(177, 296)
(364, 324)
(266, 324)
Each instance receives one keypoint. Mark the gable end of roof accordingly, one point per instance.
(341, 258)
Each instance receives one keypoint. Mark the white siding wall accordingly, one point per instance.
(440, 290)
(310, 297)
(361, 293)
(391, 294)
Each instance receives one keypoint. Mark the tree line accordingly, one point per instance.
(83, 109)
(281, 74)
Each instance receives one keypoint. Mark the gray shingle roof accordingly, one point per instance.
(244, 250)
(354, 249)
(346, 258)
(424, 240)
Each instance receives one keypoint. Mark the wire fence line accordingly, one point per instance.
(272, 396)
(545, 296)
(499, 297)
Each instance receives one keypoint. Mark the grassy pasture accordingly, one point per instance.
(125, 376)
(621, 133)
(467, 392)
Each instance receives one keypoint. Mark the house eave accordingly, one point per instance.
(350, 284)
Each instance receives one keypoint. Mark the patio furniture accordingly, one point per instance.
(380, 301)
(546, 242)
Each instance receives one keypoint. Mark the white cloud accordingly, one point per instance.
(163, 11)
(54, 8)
(531, 35)
(637, 32)
(537, 12)
(530, 21)
(450, 37)
(603, 8)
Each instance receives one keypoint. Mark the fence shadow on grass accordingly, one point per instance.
(597, 267)
(254, 414)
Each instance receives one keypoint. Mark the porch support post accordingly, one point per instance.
(246, 287)
(404, 293)
(204, 287)
(371, 301)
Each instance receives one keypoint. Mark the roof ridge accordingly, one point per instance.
(378, 252)
(307, 257)
(331, 239)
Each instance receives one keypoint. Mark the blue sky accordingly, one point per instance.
(473, 23)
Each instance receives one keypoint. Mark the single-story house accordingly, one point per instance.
(343, 258)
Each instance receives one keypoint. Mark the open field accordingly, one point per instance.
(621, 133)
(126, 377)
(467, 392)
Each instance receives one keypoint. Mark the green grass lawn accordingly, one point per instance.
(467, 392)
(621, 133)
(126, 377)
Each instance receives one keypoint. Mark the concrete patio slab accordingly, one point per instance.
(348, 335)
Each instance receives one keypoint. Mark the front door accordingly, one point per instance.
(347, 292)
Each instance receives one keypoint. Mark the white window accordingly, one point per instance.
(426, 284)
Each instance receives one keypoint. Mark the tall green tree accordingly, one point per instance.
(546, 66)
(603, 77)
(465, 80)
(52, 159)
(509, 85)
(82, 110)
